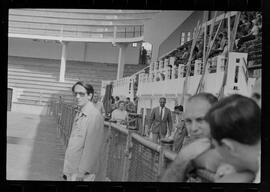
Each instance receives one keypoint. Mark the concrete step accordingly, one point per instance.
(102, 73)
(46, 89)
(54, 65)
(34, 67)
(40, 73)
(38, 100)
(31, 102)
(32, 77)
(70, 65)
(45, 96)
(47, 93)
(23, 85)
(70, 75)
(41, 84)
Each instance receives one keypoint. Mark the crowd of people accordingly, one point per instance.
(249, 28)
(222, 136)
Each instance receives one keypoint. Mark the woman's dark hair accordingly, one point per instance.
(87, 86)
(179, 107)
(121, 101)
(235, 117)
(112, 99)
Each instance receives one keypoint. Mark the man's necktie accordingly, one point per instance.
(161, 113)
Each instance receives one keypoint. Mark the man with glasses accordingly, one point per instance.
(82, 157)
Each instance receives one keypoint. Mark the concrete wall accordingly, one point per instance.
(173, 40)
(161, 26)
(77, 51)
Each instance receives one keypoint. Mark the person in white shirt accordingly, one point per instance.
(120, 115)
(98, 104)
(160, 121)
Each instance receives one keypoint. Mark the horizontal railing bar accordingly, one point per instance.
(146, 142)
(170, 155)
(117, 127)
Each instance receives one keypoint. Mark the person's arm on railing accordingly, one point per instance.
(183, 163)
(177, 171)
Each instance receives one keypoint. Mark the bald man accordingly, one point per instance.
(196, 108)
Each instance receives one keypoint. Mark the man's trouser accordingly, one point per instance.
(158, 136)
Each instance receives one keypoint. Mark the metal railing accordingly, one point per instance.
(128, 155)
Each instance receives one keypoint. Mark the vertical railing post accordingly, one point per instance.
(160, 163)
(134, 31)
(107, 146)
(127, 157)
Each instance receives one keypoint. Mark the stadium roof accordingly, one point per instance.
(91, 25)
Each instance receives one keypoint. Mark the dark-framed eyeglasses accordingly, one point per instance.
(82, 94)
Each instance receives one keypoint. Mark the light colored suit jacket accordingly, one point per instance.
(86, 143)
(158, 125)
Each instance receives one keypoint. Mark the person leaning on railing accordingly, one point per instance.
(235, 124)
(130, 107)
(180, 131)
(120, 115)
(250, 36)
(185, 164)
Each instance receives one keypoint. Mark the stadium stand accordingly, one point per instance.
(38, 78)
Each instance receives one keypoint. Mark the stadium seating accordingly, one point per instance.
(38, 78)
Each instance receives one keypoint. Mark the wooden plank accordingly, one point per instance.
(233, 35)
(188, 66)
(210, 45)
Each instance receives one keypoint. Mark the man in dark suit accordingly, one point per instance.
(160, 121)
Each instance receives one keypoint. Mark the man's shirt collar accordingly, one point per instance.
(85, 109)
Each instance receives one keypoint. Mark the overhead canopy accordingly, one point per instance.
(78, 24)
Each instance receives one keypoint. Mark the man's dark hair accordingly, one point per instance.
(87, 86)
(206, 96)
(117, 98)
(235, 117)
(112, 99)
(128, 98)
(162, 98)
(121, 101)
(179, 107)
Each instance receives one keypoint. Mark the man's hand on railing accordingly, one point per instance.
(193, 150)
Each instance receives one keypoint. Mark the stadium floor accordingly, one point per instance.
(33, 150)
